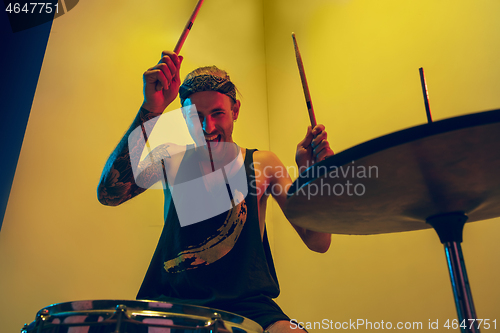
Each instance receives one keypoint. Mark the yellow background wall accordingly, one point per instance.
(59, 244)
(361, 60)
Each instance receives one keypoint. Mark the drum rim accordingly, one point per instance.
(391, 140)
(227, 317)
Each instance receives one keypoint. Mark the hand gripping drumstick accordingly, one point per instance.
(184, 34)
(312, 117)
(158, 87)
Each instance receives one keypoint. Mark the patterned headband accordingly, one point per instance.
(207, 82)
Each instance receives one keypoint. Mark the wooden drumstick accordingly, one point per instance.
(188, 27)
(310, 108)
(184, 34)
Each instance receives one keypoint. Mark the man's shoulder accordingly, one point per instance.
(264, 153)
(265, 157)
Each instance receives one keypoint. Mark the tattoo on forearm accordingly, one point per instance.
(117, 181)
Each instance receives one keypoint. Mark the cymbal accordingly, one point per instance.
(395, 182)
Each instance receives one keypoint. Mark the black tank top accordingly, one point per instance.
(213, 262)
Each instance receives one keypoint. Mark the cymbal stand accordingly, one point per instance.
(449, 228)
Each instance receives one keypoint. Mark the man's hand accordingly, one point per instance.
(314, 148)
(164, 75)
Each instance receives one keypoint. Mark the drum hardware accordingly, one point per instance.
(437, 175)
(216, 320)
(426, 95)
(41, 318)
(449, 228)
(109, 316)
(120, 313)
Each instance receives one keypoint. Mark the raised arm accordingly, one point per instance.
(278, 184)
(314, 148)
(117, 183)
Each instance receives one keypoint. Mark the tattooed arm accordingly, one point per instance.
(118, 183)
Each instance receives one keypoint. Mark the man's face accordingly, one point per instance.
(216, 114)
(211, 121)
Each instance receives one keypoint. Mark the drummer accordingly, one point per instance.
(223, 262)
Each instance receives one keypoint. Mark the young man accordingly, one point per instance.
(224, 261)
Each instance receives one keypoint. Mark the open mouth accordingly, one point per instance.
(213, 139)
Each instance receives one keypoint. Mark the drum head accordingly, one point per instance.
(120, 316)
(395, 182)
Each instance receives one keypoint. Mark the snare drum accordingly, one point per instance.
(115, 316)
